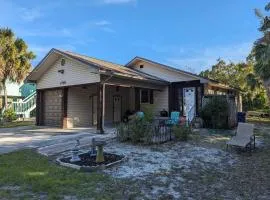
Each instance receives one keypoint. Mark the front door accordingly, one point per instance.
(189, 98)
(93, 104)
(117, 102)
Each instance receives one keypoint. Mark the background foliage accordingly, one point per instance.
(243, 77)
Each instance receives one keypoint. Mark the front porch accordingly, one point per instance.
(98, 105)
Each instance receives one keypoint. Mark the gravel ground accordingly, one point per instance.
(198, 169)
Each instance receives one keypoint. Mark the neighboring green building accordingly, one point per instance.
(27, 89)
(16, 92)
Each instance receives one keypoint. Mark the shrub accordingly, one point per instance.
(215, 112)
(137, 130)
(9, 115)
(181, 132)
(148, 112)
(122, 132)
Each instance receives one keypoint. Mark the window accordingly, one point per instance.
(141, 66)
(144, 96)
(147, 96)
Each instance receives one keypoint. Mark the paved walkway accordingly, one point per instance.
(49, 141)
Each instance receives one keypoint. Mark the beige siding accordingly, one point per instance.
(53, 108)
(161, 102)
(166, 74)
(74, 73)
(79, 105)
(110, 91)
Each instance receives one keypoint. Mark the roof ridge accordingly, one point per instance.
(94, 58)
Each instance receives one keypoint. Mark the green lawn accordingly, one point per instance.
(35, 175)
(16, 124)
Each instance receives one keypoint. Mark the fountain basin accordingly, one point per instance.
(88, 163)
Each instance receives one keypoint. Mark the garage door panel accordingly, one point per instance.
(53, 108)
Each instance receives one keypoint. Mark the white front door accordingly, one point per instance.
(117, 108)
(189, 96)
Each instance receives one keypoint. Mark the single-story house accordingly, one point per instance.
(75, 90)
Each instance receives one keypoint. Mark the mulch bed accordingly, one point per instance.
(87, 160)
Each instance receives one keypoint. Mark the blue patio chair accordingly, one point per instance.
(140, 115)
(175, 118)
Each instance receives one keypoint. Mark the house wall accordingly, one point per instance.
(161, 101)
(79, 108)
(75, 73)
(124, 93)
(166, 74)
(13, 89)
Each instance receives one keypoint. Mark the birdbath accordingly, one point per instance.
(100, 156)
(75, 153)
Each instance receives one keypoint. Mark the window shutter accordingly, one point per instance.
(151, 96)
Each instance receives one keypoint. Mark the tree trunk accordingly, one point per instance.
(5, 94)
(266, 84)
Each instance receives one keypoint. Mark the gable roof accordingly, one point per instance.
(112, 68)
(203, 79)
(138, 58)
(117, 68)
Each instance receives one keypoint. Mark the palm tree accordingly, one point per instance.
(261, 50)
(15, 59)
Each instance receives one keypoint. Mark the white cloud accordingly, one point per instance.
(108, 30)
(30, 14)
(102, 23)
(118, 1)
(204, 58)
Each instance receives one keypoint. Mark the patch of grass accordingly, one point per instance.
(17, 124)
(34, 173)
(252, 119)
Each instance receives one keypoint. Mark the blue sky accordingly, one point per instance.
(190, 34)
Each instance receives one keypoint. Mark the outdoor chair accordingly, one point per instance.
(244, 137)
(174, 119)
(140, 115)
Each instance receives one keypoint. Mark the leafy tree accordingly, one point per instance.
(242, 76)
(15, 59)
(261, 50)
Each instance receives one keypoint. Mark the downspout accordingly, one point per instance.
(103, 98)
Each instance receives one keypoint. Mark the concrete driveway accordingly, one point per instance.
(49, 140)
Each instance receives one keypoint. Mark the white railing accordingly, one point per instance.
(23, 107)
(26, 106)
